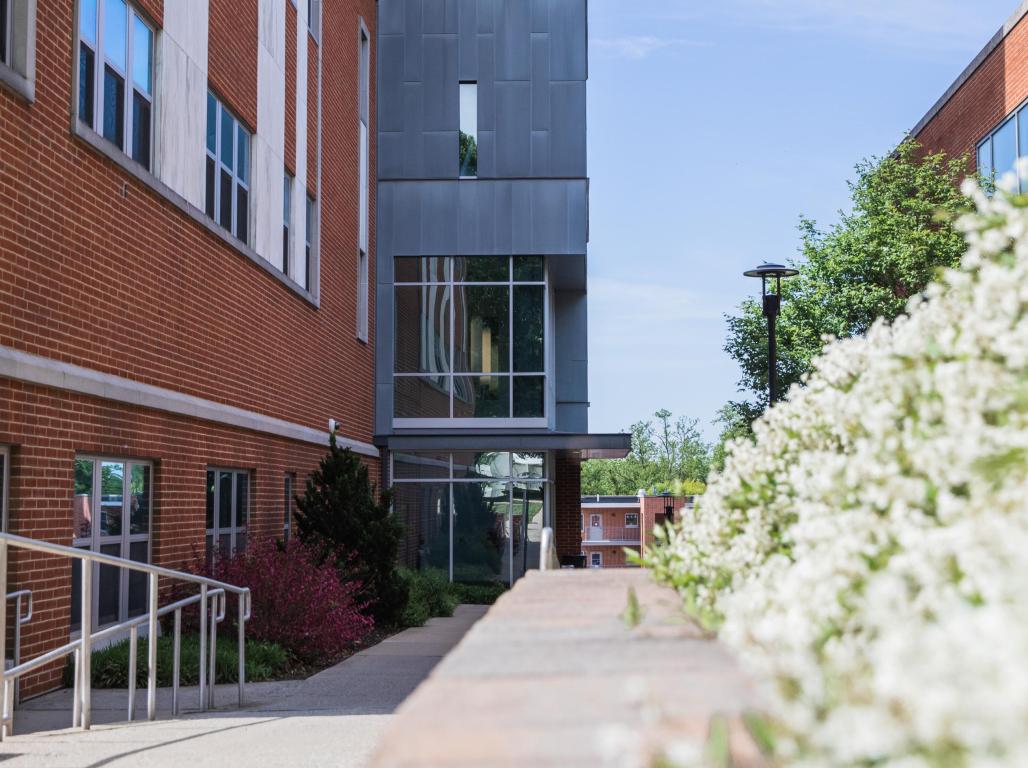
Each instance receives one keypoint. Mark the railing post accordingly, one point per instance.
(86, 683)
(213, 677)
(133, 655)
(3, 625)
(203, 647)
(76, 697)
(176, 663)
(242, 645)
(16, 656)
(6, 718)
(151, 672)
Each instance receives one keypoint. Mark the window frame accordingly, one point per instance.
(595, 559)
(460, 130)
(97, 541)
(5, 487)
(629, 515)
(288, 185)
(1019, 117)
(311, 236)
(289, 483)
(450, 284)
(213, 550)
(219, 167)
(7, 32)
(129, 89)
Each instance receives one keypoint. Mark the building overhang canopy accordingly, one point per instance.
(583, 446)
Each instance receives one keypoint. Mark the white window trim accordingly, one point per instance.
(5, 488)
(96, 541)
(8, 43)
(100, 61)
(288, 222)
(234, 529)
(289, 482)
(595, 559)
(312, 231)
(595, 521)
(18, 72)
(631, 515)
(503, 422)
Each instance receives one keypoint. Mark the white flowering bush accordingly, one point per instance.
(867, 554)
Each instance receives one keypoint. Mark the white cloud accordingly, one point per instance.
(638, 47)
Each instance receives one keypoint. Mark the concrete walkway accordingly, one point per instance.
(334, 718)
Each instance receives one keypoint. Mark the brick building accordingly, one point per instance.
(611, 524)
(186, 249)
(984, 113)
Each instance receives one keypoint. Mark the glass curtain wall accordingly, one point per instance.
(476, 516)
(470, 338)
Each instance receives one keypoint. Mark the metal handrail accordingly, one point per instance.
(19, 622)
(81, 649)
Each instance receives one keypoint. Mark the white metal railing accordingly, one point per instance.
(613, 533)
(19, 622)
(212, 599)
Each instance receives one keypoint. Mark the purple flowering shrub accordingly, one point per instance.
(298, 599)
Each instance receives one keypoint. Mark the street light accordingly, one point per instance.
(772, 305)
(669, 506)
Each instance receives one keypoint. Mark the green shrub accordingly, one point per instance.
(429, 594)
(109, 667)
(478, 594)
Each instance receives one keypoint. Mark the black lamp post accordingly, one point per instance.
(772, 305)
(669, 506)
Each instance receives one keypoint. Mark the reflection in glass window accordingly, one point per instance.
(115, 96)
(999, 152)
(228, 170)
(476, 515)
(112, 513)
(468, 130)
(287, 215)
(480, 323)
(228, 501)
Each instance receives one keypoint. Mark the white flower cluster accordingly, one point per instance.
(867, 555)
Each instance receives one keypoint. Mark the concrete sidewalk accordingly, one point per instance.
(334, 718)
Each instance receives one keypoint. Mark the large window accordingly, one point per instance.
(112, 515)
(228, 170)
(998, 153)
(470, 341)
(468, 130)
(476, 516)
(228, 502)
(116, 75)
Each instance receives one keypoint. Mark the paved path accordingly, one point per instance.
(334, 718)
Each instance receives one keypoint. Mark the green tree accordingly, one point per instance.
(664, 453)
(339, 514)
(895, 240)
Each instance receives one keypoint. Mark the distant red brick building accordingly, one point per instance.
(185, 260)
(612, 524)
(985, 111)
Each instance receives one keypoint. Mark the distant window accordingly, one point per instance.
(303, 270)
(468, 130)
(998, 152)
(287, 215)
(228, 170)
(115, 48)
(595, 559)
(5, 469)
(631, 520)
(287, 509)
(228, 503)
(5, 31)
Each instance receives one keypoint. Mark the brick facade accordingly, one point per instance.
(567, 505)
(99, 270)
(992, 91)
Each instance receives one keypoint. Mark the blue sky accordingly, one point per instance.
(713, 124)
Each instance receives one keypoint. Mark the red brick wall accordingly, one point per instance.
(46, 428)
(991, 93)
(567, 505)
(613, 554)
(232, 56)
(653, 513)
(98, 270)
(290, 147)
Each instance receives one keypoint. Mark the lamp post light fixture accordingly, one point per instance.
(772, 306)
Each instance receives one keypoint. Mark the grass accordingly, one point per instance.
(109, 667)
